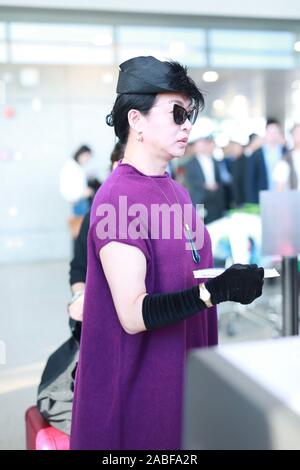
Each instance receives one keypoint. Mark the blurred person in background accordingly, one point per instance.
(237, 165)
(263, 161)
(189, 151)
(255, 141)
(76, 188)
(287, 172)
(74, 182)
(226, 180)
(203, 179)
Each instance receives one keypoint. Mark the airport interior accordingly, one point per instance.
(59, 68)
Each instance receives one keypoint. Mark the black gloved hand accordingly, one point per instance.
(239, 283)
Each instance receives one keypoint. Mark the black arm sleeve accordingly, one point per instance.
(78, 265)
(165, 309)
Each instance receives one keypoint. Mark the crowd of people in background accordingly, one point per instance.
(265, 163)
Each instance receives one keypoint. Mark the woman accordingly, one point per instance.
(143, 308)
(73, 181)
(286, 174)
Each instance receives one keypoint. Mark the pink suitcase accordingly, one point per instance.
(40, 435)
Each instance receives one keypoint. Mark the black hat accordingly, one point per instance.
(150, 76)
(145, 75)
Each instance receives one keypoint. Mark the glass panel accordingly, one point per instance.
(185, 45)
(251, 40)
(3, 52)
(190, 58)
(281, 238)
(262, 61)
(71, 33)
(46, 54)
(160, 35)
(2, 31)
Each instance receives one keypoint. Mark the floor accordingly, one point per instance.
(33, 323)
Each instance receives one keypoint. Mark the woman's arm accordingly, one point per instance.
(77, 273)
(124, 267)
(125, 270)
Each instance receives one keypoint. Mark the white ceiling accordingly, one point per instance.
(279, 9)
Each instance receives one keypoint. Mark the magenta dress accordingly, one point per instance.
(129, 388)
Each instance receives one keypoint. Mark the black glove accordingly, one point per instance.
(239, 283)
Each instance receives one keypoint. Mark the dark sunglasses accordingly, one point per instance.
(180, 114)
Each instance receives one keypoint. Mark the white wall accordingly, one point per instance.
(74, 104)
(282, 9)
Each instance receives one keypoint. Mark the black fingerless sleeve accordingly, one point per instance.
(165, 309)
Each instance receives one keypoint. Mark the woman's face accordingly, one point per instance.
(84, 157)
(160, 132)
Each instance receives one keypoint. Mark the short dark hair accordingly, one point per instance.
(82, 149)
(272, 120)
(178, 80)
(183, 83)
(252, 137)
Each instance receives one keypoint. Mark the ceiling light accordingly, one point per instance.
(13, 211)
(14, 243)
(29, 77)
(297, 46)
(218, 105)
(240, 100)
(17, 156)
(36, 104)
(210, 76)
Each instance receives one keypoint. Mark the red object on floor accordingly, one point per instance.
(40, 435)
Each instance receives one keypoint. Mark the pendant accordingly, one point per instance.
(195, 255)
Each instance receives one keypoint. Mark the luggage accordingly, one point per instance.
(40, 435)
(56, 390)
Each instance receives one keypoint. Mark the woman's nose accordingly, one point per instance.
(187, 125)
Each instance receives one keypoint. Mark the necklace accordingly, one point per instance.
(186, 228)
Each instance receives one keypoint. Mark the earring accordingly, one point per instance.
(140, 137)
